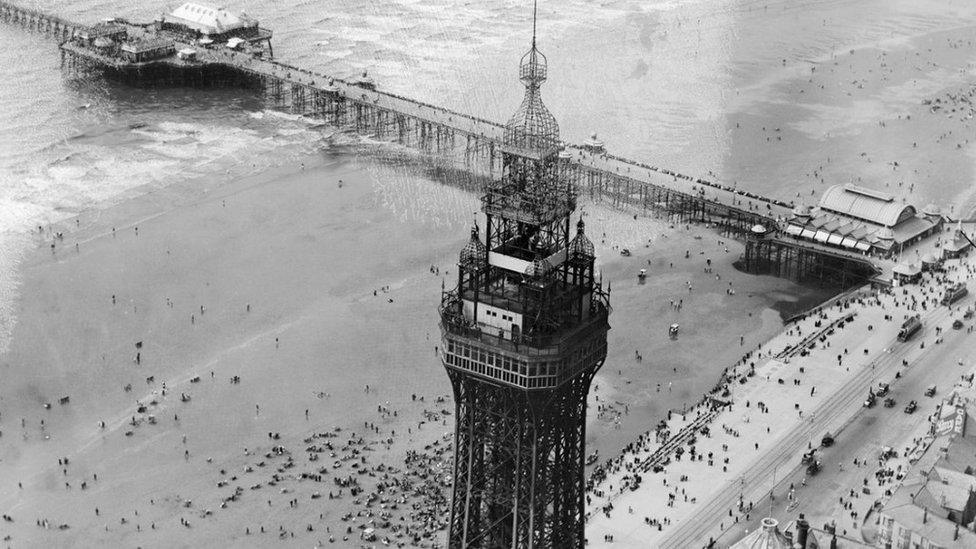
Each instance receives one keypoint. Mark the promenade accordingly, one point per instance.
(743, 454)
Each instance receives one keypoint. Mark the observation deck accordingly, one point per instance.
(521, 360)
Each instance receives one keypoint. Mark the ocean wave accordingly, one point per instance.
(12, 248)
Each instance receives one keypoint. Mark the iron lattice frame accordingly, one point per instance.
(532, 196)
(521, 396)
(532, 126)
(519, 459)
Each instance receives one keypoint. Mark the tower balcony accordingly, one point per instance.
(520, 360)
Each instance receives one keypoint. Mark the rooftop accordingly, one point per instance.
(936, 489)
(208, 19)
(767, 536)
(868, 204)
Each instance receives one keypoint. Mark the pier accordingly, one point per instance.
(157, 54)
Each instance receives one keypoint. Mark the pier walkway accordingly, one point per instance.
(460, 141)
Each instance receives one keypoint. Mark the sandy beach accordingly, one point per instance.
(225, 360)
(890, 108)
(271, 280)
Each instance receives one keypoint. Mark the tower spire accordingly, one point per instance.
(535, 10)
(523, 334)
(532, 127)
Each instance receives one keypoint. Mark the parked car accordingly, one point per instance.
(827, 440)
(912, 406)
(930, 391)
(889, 402)
(882, 389)
(869, 402)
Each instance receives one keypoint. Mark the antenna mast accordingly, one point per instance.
(535, 9)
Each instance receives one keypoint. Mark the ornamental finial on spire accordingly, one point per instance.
(533, 127)
(533, 67)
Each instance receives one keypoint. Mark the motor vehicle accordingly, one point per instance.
(625, 252)
(909, 328)
(814, 467)
(808, 457)
(930, 391)
(955, 293)
(869, 402)
(912, 406)
(883, 389)
(957, 325)
(889, 402)
(827, 440)
(968, 314)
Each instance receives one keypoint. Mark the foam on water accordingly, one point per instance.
(651, 77)
(96, 167)
(76, 147)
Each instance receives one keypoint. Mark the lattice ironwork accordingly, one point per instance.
(523, 334)
(519, 459)
(532, 127)
(581, 247)
(474, 254)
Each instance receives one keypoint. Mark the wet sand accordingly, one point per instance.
(271, 279)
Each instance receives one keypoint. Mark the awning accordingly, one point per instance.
(794, 230)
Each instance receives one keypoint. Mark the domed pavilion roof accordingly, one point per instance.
(581, 246)
(474, 252)
(767, 536)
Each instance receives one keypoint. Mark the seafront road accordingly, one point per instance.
(870, 430)
(784, 455)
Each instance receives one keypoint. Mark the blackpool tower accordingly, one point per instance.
(523, 334)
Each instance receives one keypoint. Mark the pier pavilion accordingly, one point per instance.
(863, 220)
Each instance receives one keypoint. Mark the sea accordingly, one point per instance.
(652, 78)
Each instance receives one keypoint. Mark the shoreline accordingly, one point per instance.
(72, 340)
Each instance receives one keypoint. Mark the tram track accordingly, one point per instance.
(846, 401)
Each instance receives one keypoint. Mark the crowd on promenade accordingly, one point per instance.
(815, 333)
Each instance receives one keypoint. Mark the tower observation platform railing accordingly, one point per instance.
(523, 362)
(454, 322)
(564, 298)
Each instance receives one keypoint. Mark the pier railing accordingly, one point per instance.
(430, 128)
(39, 21)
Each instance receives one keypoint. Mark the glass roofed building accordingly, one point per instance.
(865, 220)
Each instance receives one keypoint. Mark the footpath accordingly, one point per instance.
(699, 473)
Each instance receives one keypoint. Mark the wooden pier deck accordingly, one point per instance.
(467, 142)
